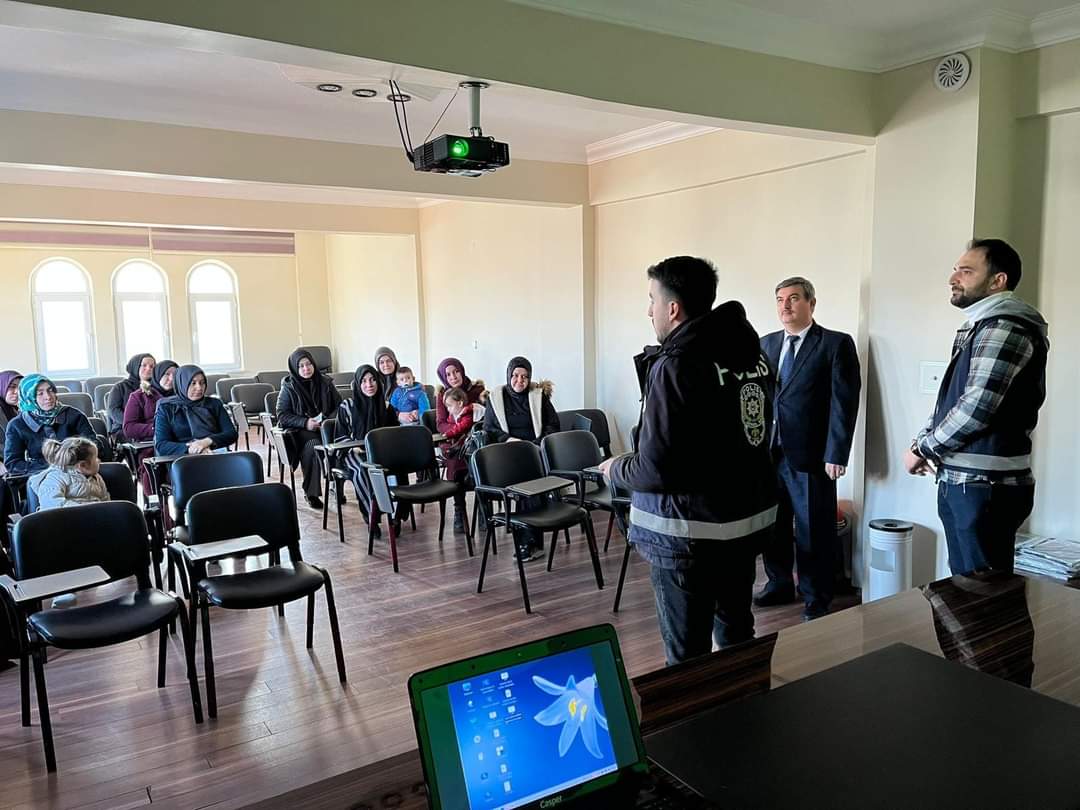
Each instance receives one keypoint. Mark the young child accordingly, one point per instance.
(461, 419)
(71, 480)
(72, 477)
(409, 399)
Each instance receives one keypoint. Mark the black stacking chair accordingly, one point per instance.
(100, 395)
(324, 360)
(344, 391)
(50, 551)
(84, 403)
(430, 391)
(330, 465)
(252, 397)
(269, 409)
(429, 419)
(190, 475)
(277, 442)
(211, 383)
(498, 467)
(341, 378)
(401, 451)
(569, 454)
(273, 378)
(266, 511)
(91, 385)
(74, 386)
(106, 451)
(598, 426)
(223, 387)
(118, 481)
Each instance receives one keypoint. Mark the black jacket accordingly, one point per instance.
(24, 438)
(172, 428)
(291, 413)
(702, 472)
(815, 411)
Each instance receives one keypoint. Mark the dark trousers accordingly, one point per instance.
(981, 520)
(305, 441)
(710, 598)
(804, 534)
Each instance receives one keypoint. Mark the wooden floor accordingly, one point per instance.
(284, 720)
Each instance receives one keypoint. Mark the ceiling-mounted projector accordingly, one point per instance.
(466, 155)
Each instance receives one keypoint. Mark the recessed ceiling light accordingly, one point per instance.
(364, 92)
(329, 87)
(398, 97)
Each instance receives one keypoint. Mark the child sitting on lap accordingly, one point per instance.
(72, 477)
(409, 399)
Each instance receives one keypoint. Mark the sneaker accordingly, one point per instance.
(65, 600)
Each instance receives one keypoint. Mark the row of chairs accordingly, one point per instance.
(224, 509)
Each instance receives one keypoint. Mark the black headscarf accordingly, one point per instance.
(312, 392)
(159, 372)
(129, 385)
(201, 419)
(368, 413)
(515, 401)
(133, 366)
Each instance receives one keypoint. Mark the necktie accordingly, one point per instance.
(789, 359)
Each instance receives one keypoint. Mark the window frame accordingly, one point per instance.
(85, 298)
(162, 298)
(233, 299)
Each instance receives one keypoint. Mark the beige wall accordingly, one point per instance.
(374, 301)
(506, 280)
(809, 220)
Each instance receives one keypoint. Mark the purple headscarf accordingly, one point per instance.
(453, 361)
(6, 377)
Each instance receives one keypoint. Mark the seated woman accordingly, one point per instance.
(366, 410)
(191, 422)
(521, 410)
(451, 373)
(41, 417)
(140, 369)
(307, 397)
(140, 410)
(9, 391)
(387, 364)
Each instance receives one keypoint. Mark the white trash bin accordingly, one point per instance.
(890, 557)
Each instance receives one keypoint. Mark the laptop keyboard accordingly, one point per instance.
(662, 791)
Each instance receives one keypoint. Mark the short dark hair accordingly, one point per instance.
(1000, 258)
(456, 395)
(403, 370)
(689, 280)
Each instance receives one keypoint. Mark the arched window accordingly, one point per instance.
(63, 323)
(215, 325)
(142, 310)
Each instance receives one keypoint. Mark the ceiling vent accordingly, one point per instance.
(952, 72)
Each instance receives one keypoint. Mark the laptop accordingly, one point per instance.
(546, 724)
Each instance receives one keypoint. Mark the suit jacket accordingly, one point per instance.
(816, 409)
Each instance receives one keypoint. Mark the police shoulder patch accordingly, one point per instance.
(752, 409)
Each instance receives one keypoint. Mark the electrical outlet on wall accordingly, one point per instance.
(475, 345)
(930, 374)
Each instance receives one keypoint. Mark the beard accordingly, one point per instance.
(962, 299)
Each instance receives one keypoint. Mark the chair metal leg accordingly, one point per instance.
(326, 501)
(280, 472)
(468, 540)
(442, 519)
(247, 441)
(590, 537)
(551, 551)
(373, 521)
(193, 628)
(208, 663)
(310, 619)
(412, 518)
(622, 578)
(269, 455)
(339, 494)
(43, 710)
(393, 542)
(483, 560)
(24, 687)
(475, 517)
(567, 536)
(610, 526)
(163, 647)
(189, 658)
(524, 586)
(335, 629)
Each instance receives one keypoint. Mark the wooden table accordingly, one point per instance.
(987, 622)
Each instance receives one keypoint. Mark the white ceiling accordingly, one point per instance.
(80, 74)
(872, 35)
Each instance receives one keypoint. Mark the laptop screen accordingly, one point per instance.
(550, 720)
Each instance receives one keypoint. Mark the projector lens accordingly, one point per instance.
(459, 148)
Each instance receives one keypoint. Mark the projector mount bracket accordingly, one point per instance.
(474, 89)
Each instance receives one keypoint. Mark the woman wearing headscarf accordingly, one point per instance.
(307, 397)
(191, 421)
(521, 410)
(41, 417)
(9, 397)
(364, 411)
(140, 411)
(387, 364)
(140, 369)
(452, 374)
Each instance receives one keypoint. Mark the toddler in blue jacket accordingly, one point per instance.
(409, 399)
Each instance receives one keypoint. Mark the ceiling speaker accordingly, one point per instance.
(952, 72)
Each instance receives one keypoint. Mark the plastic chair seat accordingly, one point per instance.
(262, 588)
(553, 514)
(425, 491)
(598, 496)
(127, 617)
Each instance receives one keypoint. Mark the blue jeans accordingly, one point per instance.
(710, 598)
(981, 520)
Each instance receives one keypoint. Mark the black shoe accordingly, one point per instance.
(811, 612)
(770, 597)
(459, 523)
(314, 501)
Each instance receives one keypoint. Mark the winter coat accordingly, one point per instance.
(57, 487)
(702, 473)
(172, 429)
(457, 431)
(25, 437)
(500, 424)
(409, 400)
(477, 395)
(139, 415)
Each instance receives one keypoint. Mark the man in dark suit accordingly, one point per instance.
(816, 404)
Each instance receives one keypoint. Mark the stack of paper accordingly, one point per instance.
(1053, 557)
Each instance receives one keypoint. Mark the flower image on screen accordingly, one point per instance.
(531, 730)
